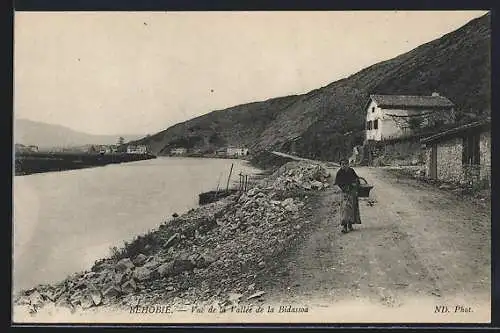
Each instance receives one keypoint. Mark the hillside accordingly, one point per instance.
(457, 65)
(44, 135)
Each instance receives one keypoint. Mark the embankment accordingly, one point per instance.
(29, 163)
(220, 254)
(268, 161)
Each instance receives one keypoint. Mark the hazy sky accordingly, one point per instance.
(141, 72)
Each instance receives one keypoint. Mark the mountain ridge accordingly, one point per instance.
(46, 135)
(456, 65)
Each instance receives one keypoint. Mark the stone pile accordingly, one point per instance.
(214, 252)
(300, 175)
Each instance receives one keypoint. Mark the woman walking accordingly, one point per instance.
(348, 181)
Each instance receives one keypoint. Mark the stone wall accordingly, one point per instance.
(427, 160)
(449, 160)
(398, 152)
(485, 156)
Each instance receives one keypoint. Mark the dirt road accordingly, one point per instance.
(416, 242)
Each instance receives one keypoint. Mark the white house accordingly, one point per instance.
(33, 148)
(394, 116)
(140, 149)
(236, 152)
(178, 151)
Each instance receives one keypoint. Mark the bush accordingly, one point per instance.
(145, 244)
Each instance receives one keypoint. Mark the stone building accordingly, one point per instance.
(236, 152)
(395, 116)
(139, 149)
(178, 151)
(461, 154)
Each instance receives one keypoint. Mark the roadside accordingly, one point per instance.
(280, 244)
(416, 242)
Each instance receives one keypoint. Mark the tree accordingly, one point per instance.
(121, 140)
(415, 123)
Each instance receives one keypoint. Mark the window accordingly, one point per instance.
(369, 124)
(373, 109)
(375, 124)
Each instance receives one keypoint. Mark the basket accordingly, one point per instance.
(364, 188)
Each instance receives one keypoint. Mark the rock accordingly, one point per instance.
(75, 299)
(129, 286)
(36, 298)
(51, 295)
(317, 185)
(257, 294)
(112, 291)
(234, 297)
(64, 303)
(262, 264)
(142, 273)
(86, 302)
(291, 207)
(205, 260)
(166, 269)
(90, 275)
(28, 292)
(172, 240)
(251, 287)
(170, 288)
(139, 260)
(101, 266)
(307, 185)
(252, 192)
(124, 264)
(152, 263)
(96, 297)
(183, 263)
(119, 278)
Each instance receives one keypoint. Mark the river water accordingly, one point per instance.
(64, 221)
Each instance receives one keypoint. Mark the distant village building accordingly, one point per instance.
(178, 151)
(461, 154)
(221, 152)
(33, 148)
(139, 149)
(395, 116)
(236, 152)
(20, 148)
(108, 149)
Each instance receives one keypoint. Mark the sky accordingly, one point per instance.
(141, 72)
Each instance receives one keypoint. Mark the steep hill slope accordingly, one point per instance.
(330, 120)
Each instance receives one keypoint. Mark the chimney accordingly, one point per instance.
(435, 94)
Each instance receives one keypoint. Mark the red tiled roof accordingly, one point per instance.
(411, 101)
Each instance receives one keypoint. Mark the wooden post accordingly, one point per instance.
(246, 182)
(229, 177)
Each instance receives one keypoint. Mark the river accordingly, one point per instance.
(64, 221)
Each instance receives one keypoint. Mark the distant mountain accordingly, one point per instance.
(43, 135)
(456, 65)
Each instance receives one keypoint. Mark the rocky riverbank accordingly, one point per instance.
(220, 254)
